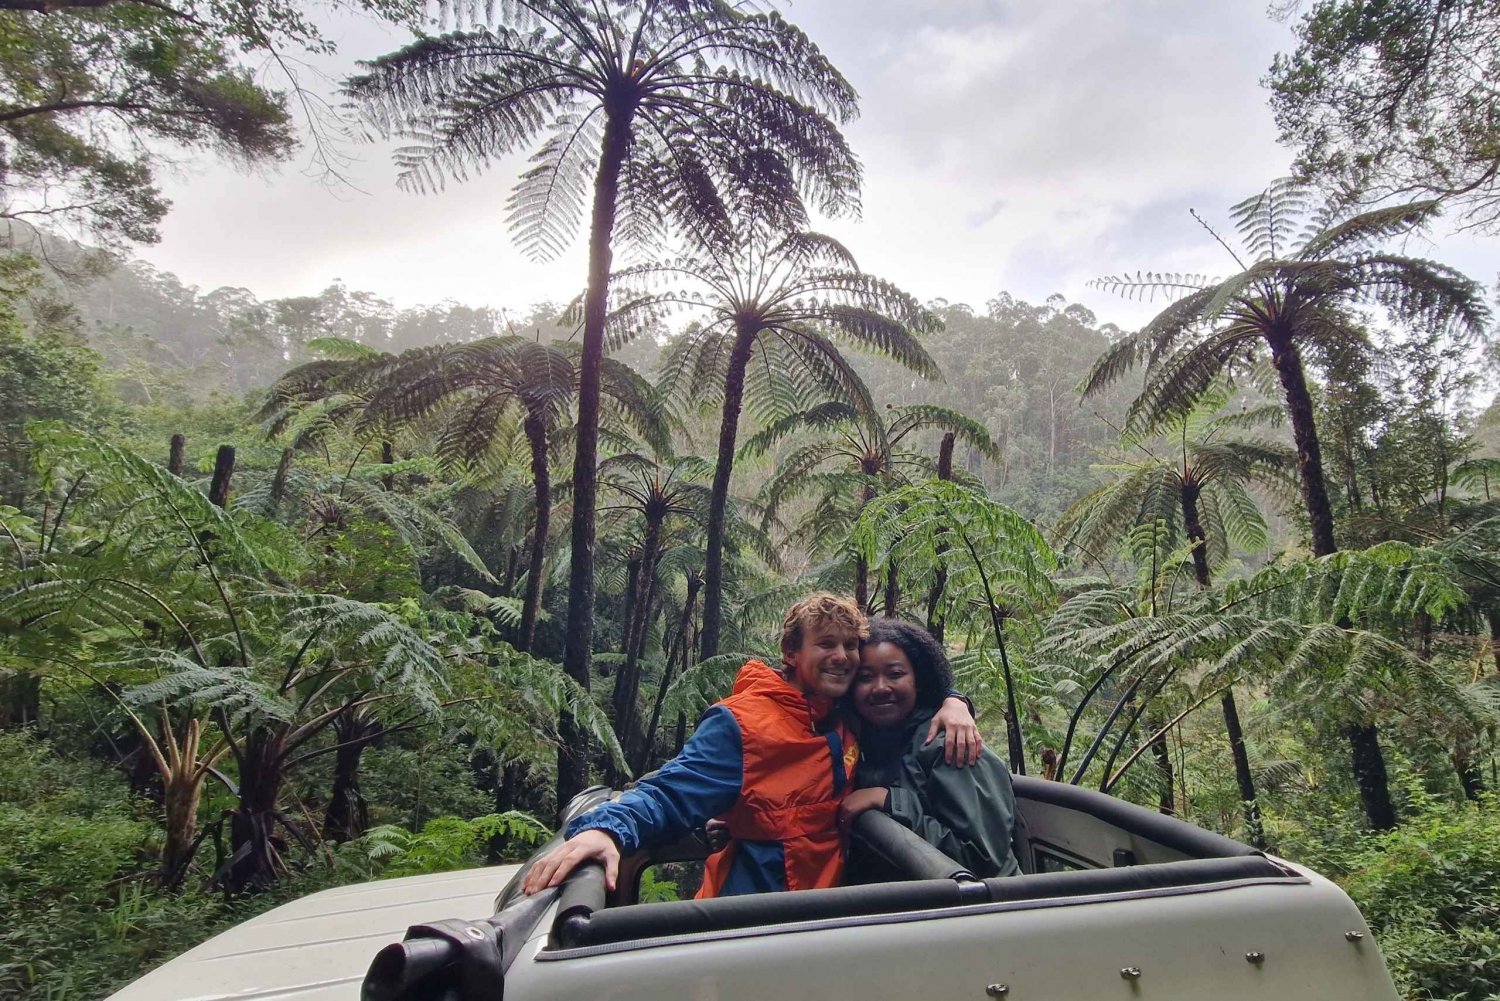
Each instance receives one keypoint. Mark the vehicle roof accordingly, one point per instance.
(319, 947)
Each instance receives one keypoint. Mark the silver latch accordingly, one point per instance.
(997, 990)
(1131, 973)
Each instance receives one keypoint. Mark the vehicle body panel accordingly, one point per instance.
(1189, 944)
(317, 948)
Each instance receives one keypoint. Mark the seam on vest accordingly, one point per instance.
(836, 749)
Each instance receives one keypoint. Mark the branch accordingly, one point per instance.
(1158, 734)
(53, 6)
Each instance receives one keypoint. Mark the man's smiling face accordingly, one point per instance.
(825, 663)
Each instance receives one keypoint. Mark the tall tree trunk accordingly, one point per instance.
(348, 814)
(862, 596)
(572, 747)
(1187, 493)
(627, 685)
(718, 501)
(174, 454)
(683, 651)
(1242, 774)
(278, 482)
(388, 458)
(892, 589)
(1193, 525)
(1364, 738)
(1166, 801)
(255, 849)
(536, 434)
(940, 579)
(1299, 406)
(218, 487)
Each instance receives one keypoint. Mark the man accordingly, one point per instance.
(773, 759)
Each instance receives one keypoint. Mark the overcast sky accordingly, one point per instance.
(1021, 146)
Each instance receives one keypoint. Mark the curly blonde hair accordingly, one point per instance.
(821, 608)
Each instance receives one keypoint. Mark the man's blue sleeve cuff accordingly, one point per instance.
(597, 820)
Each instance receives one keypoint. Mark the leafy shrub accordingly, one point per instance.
(80, 919)
(445, 843)
(1431, 891)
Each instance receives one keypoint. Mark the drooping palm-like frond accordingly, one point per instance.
(1193, 479)
(997, 564)
(684, 88)
(771, 311)
(701, 686)
(1316, 632)
(856, 455)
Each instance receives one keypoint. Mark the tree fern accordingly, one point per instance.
(1291, 302)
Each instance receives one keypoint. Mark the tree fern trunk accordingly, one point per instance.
(348, 814)
(892, 590)
(718, 501)
(278, 482)
(1370, 775)
(1166, 800)
(684, 652)
(174, 454)
(536, 434)
(1494, 617)
(1193, 525)
(1299, 407)
(1242, 774)
(255, 849)
(20, 700)
(1187, 494)
(218, 487)
(940, 578)
(628, 684)
(572, 747)
(182, 787)
(1364, 738)
(181, 791)
(861, 565)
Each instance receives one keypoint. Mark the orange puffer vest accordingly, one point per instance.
(797, 767)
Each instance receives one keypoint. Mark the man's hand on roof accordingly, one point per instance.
(585, 846)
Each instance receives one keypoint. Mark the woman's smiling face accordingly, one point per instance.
(885, 687)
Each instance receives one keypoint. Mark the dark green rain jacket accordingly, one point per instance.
(966, 813)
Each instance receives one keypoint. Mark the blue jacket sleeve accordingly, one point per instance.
(700, 783)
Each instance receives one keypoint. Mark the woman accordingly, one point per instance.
(967, 813)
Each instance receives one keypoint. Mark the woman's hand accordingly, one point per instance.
(858, 802)
(585, 846)
(961, 740)
(716, 834)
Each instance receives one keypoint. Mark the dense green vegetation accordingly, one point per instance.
(312, 590)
